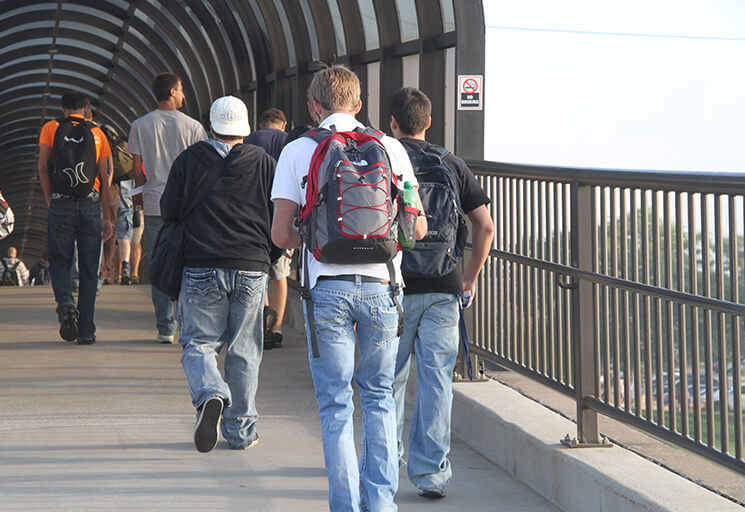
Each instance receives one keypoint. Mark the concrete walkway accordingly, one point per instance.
(109, 426)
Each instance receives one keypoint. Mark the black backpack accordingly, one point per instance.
(438, 252)
(10, 276)
(40, 273)
(72, 168)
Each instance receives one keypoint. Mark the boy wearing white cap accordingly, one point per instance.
(226, 252)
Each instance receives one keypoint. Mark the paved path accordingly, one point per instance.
(109, 426)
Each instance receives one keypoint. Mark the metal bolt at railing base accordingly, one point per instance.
(569, 441)
(572, 442)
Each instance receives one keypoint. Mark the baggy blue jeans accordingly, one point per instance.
(165, 319)
(72, 220)
(362, 314)
(431, 329)
(223, 308)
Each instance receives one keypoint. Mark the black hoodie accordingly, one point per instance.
(230, 227)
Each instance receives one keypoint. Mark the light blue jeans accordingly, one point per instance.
(218, 308)
(339, 307)
(165, 319)
(431, 329)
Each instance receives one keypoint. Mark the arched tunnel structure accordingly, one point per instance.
(264, 51)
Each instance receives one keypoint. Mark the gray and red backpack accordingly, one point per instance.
(350, 212)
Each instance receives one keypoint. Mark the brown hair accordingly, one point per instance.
(412, 109)
(272, 116)
(163, 84)
(337, 89)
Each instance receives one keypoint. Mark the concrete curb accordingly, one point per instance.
(522, 437)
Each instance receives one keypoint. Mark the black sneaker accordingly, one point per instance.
(206, 430)
(270, 318)
(89, 340)
(274, 340)
(431, 493)
(124, 279)
(268, 342)
(68, 319)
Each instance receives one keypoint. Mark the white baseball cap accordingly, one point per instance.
(229, 116)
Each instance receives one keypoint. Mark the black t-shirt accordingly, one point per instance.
(471, 197)
(271, 139)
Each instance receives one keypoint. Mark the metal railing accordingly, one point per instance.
(622, 289)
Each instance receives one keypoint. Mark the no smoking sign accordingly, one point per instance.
(470, 92)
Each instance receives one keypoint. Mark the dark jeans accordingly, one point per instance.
(165, 317)
(73, 220)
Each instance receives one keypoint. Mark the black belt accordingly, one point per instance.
(353, 278)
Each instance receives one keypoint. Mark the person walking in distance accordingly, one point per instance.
(73, 171)
(355, 301)
(155, 140)
(272, 138)
(434, 288)
(272, 135)
(226, 263)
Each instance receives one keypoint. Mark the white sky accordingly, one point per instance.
(655, 84)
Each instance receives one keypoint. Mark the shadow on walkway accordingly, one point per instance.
(109, 426)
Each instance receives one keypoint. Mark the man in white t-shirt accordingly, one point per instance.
(353, 305)
(155, 140)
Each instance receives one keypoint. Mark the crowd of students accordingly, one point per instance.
(245, 201)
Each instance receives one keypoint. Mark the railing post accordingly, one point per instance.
(583, 342)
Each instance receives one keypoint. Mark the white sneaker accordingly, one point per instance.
(250, 445)
(165, 338)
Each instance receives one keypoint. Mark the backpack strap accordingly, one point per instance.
(317, 134)
(305, 294)
(75, 120)
(395, 290)
(372, 132)
(466, 344)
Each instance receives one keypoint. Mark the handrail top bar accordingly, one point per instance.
(682, 181)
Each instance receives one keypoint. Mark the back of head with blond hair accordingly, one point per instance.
(337, 89)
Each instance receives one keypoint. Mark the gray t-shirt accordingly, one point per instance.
(159, 137)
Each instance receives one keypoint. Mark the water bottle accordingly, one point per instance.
(407, 214)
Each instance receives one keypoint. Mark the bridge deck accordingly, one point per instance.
(109, 426)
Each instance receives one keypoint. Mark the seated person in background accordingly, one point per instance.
(14, 272)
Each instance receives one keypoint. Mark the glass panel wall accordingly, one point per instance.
(410, 64)
(407, 20)
(341, 42)
(369, 24)
(373, 95)
(448, 15)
